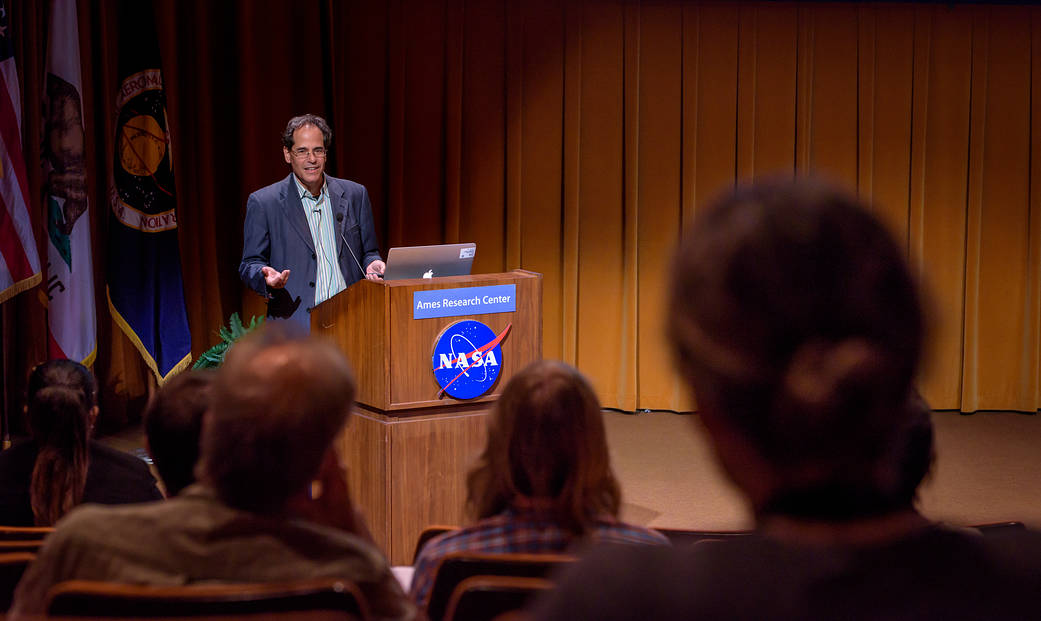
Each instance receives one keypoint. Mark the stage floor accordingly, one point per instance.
(988, 469)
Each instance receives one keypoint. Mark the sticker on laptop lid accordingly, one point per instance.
(467, 253)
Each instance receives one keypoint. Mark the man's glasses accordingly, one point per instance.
(301, 153)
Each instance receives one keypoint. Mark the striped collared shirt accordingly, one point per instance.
(319, 212)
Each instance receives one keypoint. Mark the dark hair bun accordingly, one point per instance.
(829, 399)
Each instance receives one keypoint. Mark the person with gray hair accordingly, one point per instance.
(271, 503)
(311, 235)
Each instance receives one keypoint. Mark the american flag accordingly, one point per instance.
(19, 261)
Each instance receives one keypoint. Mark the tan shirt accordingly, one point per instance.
(194, 538)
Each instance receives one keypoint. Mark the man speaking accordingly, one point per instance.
(309, 236)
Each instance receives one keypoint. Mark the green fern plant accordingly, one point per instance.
(214, 356)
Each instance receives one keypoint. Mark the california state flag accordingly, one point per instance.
(70, 272)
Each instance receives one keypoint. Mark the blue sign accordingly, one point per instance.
(464, 301)
(467, 358)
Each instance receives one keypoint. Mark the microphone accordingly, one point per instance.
(339, 218)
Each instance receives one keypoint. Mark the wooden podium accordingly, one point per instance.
(407, 450)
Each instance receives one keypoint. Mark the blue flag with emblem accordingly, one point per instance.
(145, 290)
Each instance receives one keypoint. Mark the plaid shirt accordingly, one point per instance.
(517, 532)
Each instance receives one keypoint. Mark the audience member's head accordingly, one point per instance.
(61, 408)
(173, 423)
(277, 405)
(798, 325)
(546, 443)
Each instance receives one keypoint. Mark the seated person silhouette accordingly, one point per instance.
(173, 424)
(543, 482)
(271, 503)
(60, 466)
(798, 325)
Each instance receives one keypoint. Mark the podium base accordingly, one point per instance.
(408, 472)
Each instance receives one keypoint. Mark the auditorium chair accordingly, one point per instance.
(22, 538)
(24, 533)
(484, 598)
(12, 566)
(24, 545)
(680, 537)
(429, 533)
(459, 566)
(991, 529)
(88, 598)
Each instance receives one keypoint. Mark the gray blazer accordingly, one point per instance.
(276, 234)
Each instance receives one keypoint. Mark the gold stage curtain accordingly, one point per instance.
(576, 139)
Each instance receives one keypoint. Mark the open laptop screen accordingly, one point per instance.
(430, 261)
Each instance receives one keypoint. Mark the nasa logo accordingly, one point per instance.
(467, 358)
(141, 188)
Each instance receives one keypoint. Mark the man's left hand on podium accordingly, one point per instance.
(375, 270)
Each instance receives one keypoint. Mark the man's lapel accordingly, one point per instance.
(341, 212)
(294, 211)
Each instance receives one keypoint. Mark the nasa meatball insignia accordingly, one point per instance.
(467, 359)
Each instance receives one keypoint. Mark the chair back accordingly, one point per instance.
(484, 598)
(680, 537)
(459, 566)
(88, 598)
(24, 533)
(23, 545)
(12, 566)
(429, 533)
(992, 529)
(23, 538)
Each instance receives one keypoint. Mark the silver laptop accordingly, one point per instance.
(430, 261)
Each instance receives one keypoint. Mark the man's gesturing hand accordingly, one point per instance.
(274, 278)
